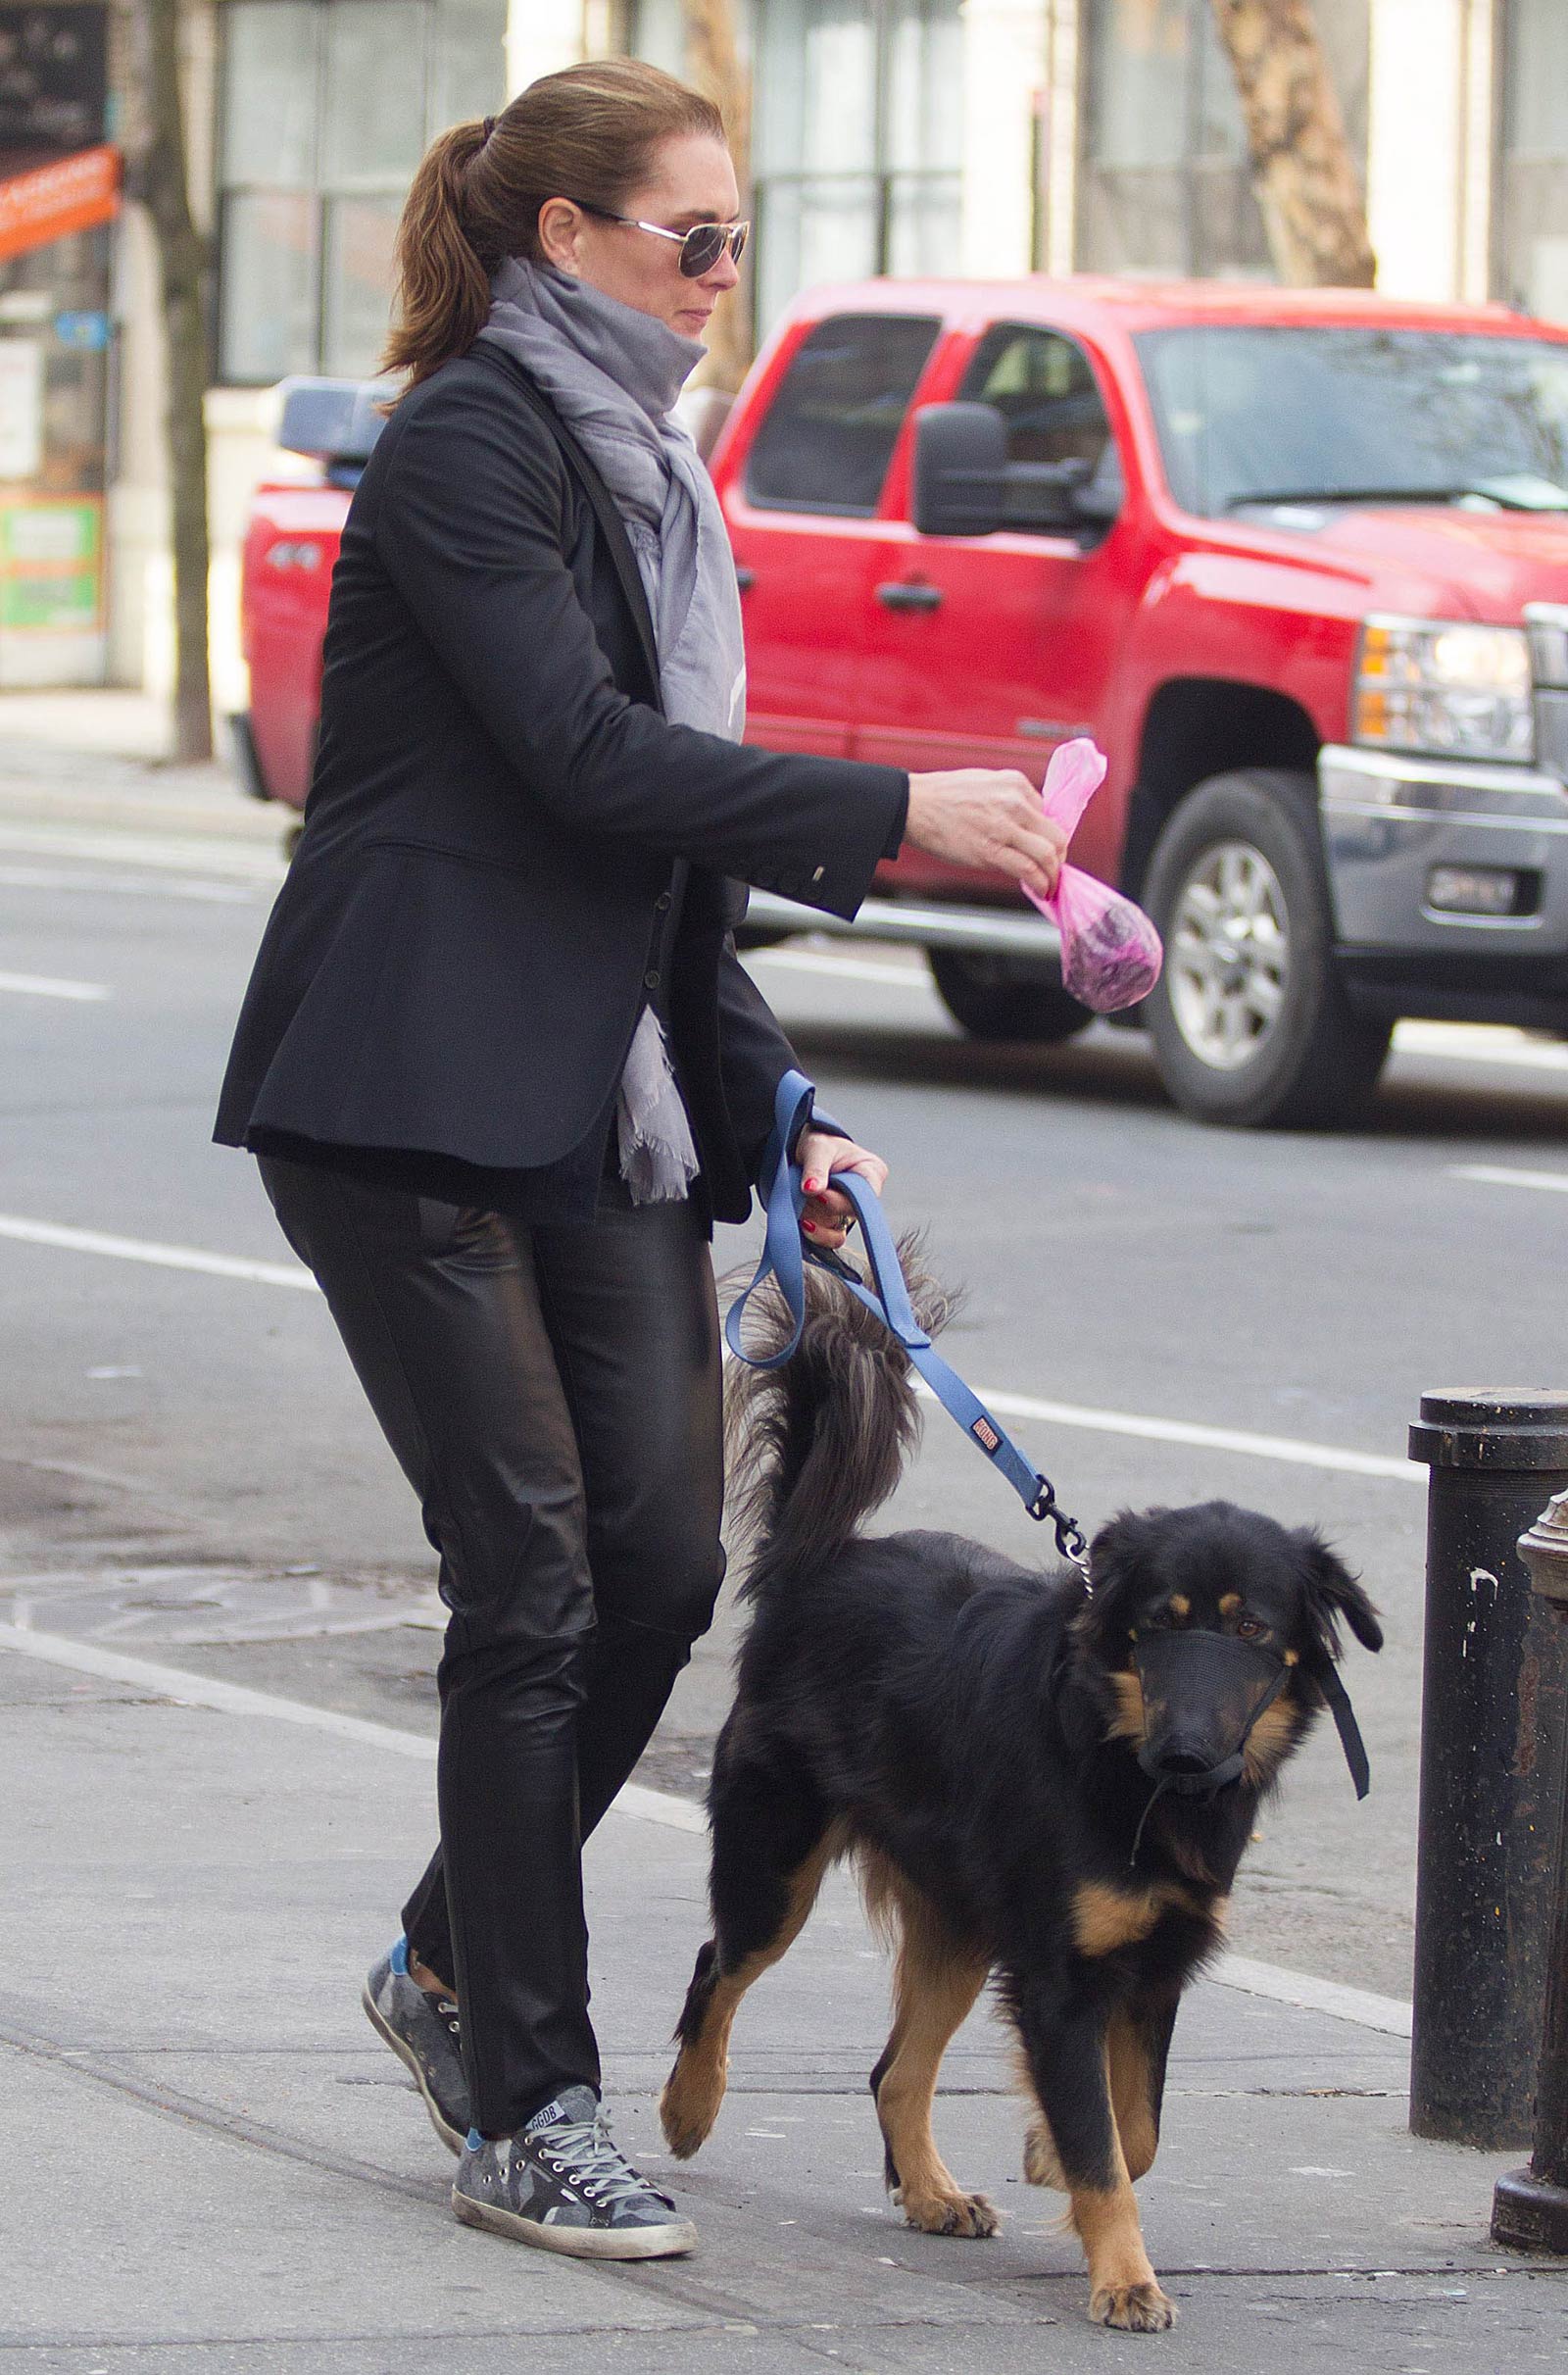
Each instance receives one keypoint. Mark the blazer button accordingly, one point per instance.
(661, 905)
(650, 978)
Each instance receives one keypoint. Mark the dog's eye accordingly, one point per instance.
(1251, 1628)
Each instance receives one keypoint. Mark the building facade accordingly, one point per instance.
(969, 137)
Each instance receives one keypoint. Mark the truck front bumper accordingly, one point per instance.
(1404, 838)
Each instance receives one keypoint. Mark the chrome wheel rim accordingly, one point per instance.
(1228, 957)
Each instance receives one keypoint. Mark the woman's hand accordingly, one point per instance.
(986, 816)
(828, 1210)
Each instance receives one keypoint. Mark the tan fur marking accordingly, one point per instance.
(694, 2087)
(1128, 1721)
(935, 1984)
(1123, 2290)
(1269, 1742)
(1292, 1657)
(1104, 1919)
(1127, 2074)
(1229, 1602)
(1179, 1604)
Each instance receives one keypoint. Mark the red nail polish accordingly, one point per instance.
(809, 1226)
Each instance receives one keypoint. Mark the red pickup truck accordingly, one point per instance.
(1297, 560)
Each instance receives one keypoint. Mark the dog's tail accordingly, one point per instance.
(815, 1445)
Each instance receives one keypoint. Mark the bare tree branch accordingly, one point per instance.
(1302, 170)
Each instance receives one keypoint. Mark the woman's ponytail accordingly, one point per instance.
(590, 133)
(443, 290)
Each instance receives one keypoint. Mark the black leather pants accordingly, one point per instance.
(553, 1395)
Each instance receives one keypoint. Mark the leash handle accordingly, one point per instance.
(784, 1257)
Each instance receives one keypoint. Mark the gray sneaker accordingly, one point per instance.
(424, 2032)
(562, 2184)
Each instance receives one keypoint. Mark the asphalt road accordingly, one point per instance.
(186, 1471)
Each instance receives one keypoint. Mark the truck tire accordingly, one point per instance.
(1249, 1020)
(992, 1002)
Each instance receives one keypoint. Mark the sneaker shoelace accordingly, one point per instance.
(587, 2153)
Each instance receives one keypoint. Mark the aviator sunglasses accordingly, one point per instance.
(699, 248)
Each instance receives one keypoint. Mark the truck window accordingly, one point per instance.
(828, 435)
(1041, 385)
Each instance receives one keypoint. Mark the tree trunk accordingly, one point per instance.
(1302, 170)
(713, 67)
(183, 261)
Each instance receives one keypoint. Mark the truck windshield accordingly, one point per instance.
(1286, 414)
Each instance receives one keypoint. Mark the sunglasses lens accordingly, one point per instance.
(702, 249)
(705, 245)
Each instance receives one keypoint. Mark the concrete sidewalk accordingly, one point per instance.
(216, 2168)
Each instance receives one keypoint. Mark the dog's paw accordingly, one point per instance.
(1133, 2308)
(689, 2106)
(949, 2213)
(1041, 2165)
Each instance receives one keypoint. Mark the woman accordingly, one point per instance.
(501, 1065)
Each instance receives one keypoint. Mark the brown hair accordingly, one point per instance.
(588, 133)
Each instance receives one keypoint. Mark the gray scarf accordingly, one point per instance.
(614, 373)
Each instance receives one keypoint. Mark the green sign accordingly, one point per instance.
(51, 564)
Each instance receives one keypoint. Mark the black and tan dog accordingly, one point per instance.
(1050, 1789)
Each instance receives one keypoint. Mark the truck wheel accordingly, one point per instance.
(1250, 1022)
(993, 1002)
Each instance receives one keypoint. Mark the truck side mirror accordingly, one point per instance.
(959, 470)
(331, 419)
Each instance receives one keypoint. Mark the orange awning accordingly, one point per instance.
(51, 200)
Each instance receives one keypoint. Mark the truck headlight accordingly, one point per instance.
(1445, 687)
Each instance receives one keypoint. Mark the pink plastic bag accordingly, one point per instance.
(1111, 952)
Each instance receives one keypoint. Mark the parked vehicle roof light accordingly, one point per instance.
(1449, 687)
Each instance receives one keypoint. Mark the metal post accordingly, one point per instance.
(1495, 1711)
(1530, 2207)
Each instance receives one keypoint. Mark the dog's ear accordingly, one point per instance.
(1333, 1592)
(1119, 1557)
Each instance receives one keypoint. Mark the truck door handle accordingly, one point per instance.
(901, 595)
(745, 577)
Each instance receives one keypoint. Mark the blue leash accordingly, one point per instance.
(785, 1255)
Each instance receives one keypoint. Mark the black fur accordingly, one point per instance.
(951, 1711)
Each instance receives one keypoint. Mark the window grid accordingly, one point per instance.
(316, 193)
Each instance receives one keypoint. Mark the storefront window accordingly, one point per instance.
(327, 106)
(1165, 185)
(856, 134)
(857, 141)
(1532, 264)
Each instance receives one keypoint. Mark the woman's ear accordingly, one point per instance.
(1333, 1592)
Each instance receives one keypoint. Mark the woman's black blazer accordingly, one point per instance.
(507, 848)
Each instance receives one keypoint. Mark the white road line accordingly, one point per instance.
(233, 1699)
(1288, 1448)
(44, 985)
(849, 969)
(162, 1257)
(125, 887)
(1205, 1438)
(1452, 1042)
(1495, 1175)
(183, 854)
(1480, 1043)
(1298, 1988)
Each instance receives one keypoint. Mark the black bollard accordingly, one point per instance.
(1493, 1723)
(1530, 2207)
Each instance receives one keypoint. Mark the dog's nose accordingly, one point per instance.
(1177, 1761)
